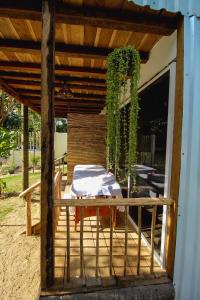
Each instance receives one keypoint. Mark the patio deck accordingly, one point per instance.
(89, 282)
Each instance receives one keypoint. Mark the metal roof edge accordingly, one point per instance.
(185, 7)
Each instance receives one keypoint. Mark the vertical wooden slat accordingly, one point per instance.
(97, 244)
(68, 243)
(63, 163)
(126, 238)
(153, 224)
(111, 239)
(47, 142)
(139, 238)
(81, 242)
(28, 215)
(25, 148)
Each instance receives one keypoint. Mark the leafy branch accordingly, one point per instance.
(123, 64)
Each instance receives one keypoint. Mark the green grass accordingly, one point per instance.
(14, 183)
(4, 211)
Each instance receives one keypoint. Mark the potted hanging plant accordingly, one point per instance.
(123, 64)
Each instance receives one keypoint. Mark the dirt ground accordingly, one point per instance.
(19, 255)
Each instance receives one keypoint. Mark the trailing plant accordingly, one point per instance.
(123, 64)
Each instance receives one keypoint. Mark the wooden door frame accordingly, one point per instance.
(176, 152)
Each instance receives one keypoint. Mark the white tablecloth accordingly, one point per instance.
(93, 180)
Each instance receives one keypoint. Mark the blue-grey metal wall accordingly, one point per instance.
(187, 257)
(186, 7)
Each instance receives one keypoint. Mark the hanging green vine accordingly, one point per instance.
(123, 64)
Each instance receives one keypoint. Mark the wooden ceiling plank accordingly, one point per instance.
(20, 76)
(30, 47)
(118, 19)
(79, 96)
(32, 83)
(15, 65)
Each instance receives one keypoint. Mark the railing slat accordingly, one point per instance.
(68, 243)
(126, 238)
(81, 243)
(153, 224)
(97, 244)
(28, 215)
(111, 239)
(139, 238)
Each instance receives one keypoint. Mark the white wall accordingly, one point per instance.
(161, 55)
(60, 148)
(60, 144)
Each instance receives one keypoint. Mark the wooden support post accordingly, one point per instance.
(25, 172)
(47, 142)
(176, 152)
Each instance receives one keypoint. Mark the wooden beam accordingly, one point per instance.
(47, 143)
(62, 49)
(176, 154)
(25, 153)
(31, 83)
(9, 90)
(36, 98)
(76, 96)
(72, 103)
(83, 71)
(58, 78)
(116, 19)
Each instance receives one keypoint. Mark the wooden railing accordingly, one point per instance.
(27, 195)
(60, 161)
(100, 202)
(57, 194)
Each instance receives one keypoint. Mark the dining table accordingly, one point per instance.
(92, 181)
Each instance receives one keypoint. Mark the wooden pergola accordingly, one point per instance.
(46, 43)
(85, 33)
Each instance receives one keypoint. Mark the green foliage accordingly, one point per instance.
(2, 186)
(14, 183)
(35, 159)
(61, 125)
(4, 211)
(12, 121)
(34, 122)
(123, 64)
(11, 169)
(7, 142)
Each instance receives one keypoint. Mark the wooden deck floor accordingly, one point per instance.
(104, 280)
(89, 246)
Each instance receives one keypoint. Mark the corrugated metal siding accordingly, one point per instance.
(186, 7)
(187, 258)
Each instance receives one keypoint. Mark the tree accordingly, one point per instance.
(7, 104)
(61, 125)
(7, 142)
(34, 127)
